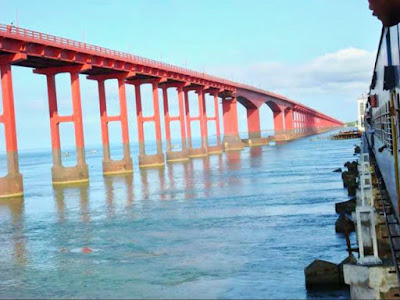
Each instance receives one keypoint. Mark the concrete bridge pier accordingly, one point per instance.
(202, 151)
(11, 185)
(289, 122)
(60, 174)
(213, 149)
(110, 166)
(232, 139)
(183, 154)
(154, 160)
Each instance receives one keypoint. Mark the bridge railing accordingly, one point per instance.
(97, 50)
(52, 40)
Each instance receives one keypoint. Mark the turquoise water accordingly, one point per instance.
(240, 225)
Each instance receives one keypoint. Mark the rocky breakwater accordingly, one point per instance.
(328, 275)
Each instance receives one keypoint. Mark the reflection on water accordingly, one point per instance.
(256, 152)
(79, 194)
(118, 187)
(13, 211)
(207, 228)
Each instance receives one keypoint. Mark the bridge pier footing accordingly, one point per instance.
(183, 154)
(11, 185)
(231, 141)
(79, 173)
(217, 148)
(201, 118)
(110, 166)
(149, 160)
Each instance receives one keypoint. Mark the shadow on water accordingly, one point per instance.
(342, 293)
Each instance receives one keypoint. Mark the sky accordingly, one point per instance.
(318, 52)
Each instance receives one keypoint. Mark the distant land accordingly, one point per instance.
(351, 124)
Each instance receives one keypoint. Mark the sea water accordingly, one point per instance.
(237, 225)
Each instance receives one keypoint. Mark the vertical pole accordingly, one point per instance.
(253, 122)
(157, 121)
(187, 117)
(77, 114)
(203, 118)
(288, 119)
(216, 110)
(54, 125)
(9, 119)
(183, 154)
(182, 117)
(166, 118)
(139, 112)
(10, 185)
(103, 120)
(124, 119)
(278, 121)
(232, 140)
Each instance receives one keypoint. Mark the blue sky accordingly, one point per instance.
(318, 52)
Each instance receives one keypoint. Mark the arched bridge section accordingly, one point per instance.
(49, 55)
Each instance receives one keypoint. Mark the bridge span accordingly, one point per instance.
(49, 55)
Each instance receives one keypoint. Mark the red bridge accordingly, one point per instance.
(50, 55)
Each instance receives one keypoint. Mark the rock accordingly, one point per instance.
(351, 191)
(349, 260)
(357, 150)
(321, 273)
(352, 188)
(342, 222)
(338, 170)
(346, 207)
(349, 179)
(352, 167)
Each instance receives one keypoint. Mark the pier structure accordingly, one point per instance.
(50, 55)
(375, 274)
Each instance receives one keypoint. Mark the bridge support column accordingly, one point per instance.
(11, 185)
(232, 139)
(216, 149)
(155, 160)
(183, 154)
(253, 122)
(289, 122)
(278, 122)
(110, 166)
(202, 151)
(253, 126)
(60, 174)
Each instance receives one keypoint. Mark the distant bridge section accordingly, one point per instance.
(49, 55)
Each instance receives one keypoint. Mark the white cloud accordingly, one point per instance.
(340, 72)
(330, 83)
